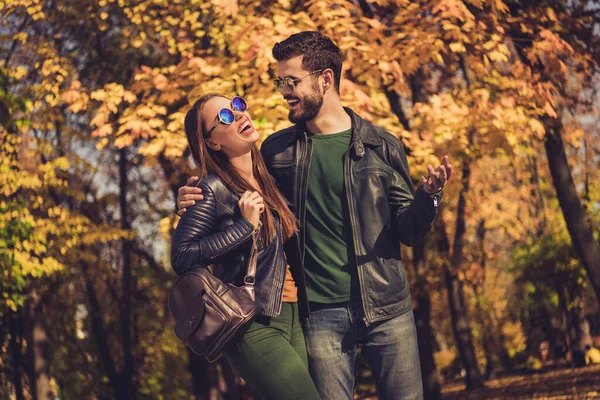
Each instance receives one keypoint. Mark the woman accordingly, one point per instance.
(241, 199)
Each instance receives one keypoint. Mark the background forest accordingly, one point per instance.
(92, 99)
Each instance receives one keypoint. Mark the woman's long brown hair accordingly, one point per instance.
(217, 163)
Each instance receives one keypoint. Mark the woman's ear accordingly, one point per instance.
(213, 145)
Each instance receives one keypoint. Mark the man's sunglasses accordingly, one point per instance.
(226, 115)
(291, 82)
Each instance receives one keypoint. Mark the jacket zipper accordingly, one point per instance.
(279, 295)
(304, 190)
(347, 178)
(275, 309)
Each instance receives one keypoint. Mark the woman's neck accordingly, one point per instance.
(243, 165)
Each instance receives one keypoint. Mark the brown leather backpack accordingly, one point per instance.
(211, 314)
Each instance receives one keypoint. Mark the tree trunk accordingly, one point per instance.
(458, 309)
(126, 387)
(100, 333)
(578, 224)
(493, 339)
(429, 373)
(484, 316)
(422, 311)
(564, 311)
(462, 330)
(39, 345)
(16, 336)
(581, 335)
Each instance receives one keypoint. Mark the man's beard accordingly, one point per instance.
(309, 108)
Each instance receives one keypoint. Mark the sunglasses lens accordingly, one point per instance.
(239, 104)
(226, 116)
(291, 84)
(278, 83)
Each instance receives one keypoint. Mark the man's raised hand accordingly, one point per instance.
(437, 177)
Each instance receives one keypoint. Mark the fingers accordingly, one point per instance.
(438, 177)
(191, 180)
(446, 164)
(181, 211)
(256, 200)
(433, 182)
(434, 175)
(442, 174)
(188, 190)
(249, 197)
(431, 171)
(243, 197)
(254, 195)
(186, 193)
(186, 198)
(185, 204)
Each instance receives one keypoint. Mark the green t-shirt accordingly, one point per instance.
(329, 262)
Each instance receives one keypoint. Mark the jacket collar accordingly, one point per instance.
(362, 131)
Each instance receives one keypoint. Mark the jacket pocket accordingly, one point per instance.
(374, 169)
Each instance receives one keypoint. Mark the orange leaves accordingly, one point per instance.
(143, 121)
(550, 110)
(550, 42)
(76, 97)
(452, 9)
(227, 8)
(110, 99)
(457, 47)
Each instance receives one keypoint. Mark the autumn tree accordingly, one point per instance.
(93, 98)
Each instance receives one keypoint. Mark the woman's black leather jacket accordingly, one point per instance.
(213, 232)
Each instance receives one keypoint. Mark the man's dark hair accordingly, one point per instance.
(317, 50)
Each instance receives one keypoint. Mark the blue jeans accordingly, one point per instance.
(389, 347)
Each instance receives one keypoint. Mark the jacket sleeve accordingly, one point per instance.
(412, 213)
(196, 243)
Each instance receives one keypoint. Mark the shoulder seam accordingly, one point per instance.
(217, 201)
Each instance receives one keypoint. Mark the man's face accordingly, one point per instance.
(305, 100)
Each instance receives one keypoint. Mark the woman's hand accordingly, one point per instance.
(252, 205)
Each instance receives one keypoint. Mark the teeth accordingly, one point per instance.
(244, 126)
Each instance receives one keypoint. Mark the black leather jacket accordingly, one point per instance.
(384, 208)
(213, 231)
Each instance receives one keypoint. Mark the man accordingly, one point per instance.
(349, 184)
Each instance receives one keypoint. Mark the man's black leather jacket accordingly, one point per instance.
(383, 206)
(213, 231)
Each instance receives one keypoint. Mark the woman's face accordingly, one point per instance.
(235, 139)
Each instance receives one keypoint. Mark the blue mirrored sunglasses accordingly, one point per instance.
(226, 115)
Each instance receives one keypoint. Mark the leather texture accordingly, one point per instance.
(384, 208)
(213, 233)
(210, 315)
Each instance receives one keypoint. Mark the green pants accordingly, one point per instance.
(271, 357)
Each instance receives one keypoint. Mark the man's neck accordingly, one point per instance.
(331, 119)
